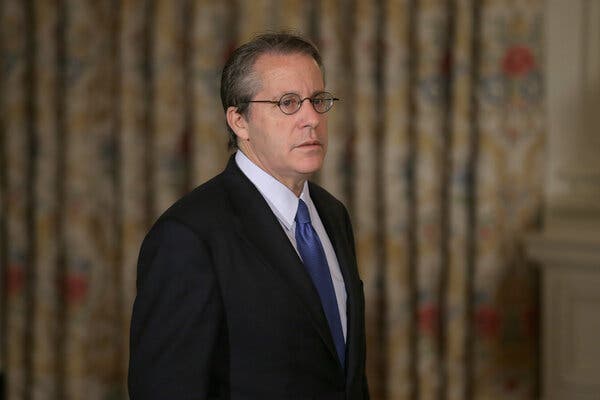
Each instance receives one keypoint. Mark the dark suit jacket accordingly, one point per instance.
(226, 310)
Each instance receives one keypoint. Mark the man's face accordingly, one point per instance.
(289, 147)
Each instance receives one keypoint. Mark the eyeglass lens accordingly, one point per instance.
(291, 102)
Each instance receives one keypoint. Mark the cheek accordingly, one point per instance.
(323, 131)
(276, 141)
(323, 126)
(267, 133)
(284, 135)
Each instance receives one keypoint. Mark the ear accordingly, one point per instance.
(237, 122)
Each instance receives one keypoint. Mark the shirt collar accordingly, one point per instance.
(281, 199)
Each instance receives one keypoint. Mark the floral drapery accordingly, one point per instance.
(109, 110)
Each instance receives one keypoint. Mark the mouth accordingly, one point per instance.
(310, 144)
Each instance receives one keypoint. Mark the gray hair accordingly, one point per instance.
(239, 82)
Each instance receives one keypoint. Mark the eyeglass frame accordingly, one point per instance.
(310, 99)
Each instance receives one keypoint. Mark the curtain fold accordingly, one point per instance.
(399, 295)
(16, 273)
(110, 110)
(456, 311)
(46, 302)
(133, 184)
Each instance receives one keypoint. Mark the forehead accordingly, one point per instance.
(288, 72)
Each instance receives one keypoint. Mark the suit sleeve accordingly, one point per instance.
(176, 319)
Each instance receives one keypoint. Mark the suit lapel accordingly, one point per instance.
(336, 233)
(336, 230)
(258, 225)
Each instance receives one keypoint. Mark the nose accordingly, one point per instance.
(308, 115)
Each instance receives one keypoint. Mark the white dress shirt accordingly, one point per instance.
(284, 204)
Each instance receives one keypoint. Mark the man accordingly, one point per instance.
(248, 286)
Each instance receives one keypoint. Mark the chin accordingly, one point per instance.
(310, 166)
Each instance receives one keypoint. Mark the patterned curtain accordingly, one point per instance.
(109, 111)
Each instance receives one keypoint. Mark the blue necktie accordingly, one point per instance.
(313, 256)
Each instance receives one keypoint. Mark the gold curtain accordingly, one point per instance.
(110, 110)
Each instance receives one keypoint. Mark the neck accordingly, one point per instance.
(297, 190)
(294, 183)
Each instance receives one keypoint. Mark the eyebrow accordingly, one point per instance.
(311, 95)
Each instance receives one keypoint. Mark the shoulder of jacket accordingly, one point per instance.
(201, 208)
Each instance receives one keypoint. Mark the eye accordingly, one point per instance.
(289, 102)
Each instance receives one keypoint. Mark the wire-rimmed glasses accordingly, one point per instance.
(290, 103)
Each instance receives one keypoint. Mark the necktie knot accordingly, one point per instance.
(302, 215)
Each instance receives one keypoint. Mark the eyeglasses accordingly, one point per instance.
(290, 103)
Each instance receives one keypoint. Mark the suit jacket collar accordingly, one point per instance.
(259, 226)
